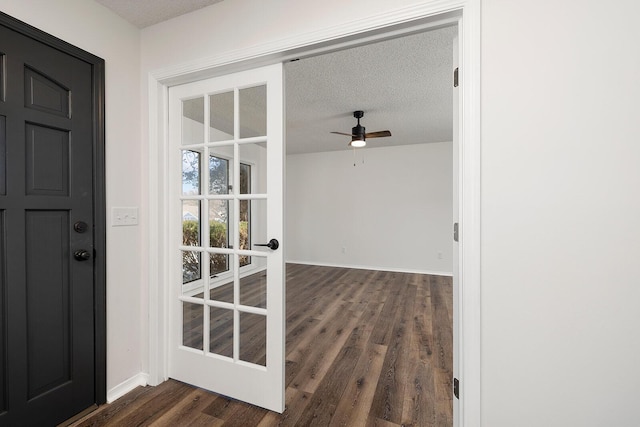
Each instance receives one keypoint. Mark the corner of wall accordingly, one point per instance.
(139, 380)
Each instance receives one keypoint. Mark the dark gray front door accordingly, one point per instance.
(47, 258)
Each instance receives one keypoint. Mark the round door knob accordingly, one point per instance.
(81, 255)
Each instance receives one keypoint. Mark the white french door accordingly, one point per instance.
(227, 311)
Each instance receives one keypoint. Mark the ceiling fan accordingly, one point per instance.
(358, 134)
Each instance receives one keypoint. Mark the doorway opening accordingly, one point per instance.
(375, 224)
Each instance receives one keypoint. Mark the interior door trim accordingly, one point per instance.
(99, 201)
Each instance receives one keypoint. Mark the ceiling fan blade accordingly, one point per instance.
(342, 133)
(378, 134)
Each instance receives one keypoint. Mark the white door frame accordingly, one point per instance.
(429, 14)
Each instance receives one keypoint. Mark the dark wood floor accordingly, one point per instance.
(364, 348)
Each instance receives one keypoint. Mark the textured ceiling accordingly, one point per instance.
(403, 85)
(143, 13)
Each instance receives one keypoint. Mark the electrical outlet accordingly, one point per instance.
(344, 250)
(124, 216)
(439, 254)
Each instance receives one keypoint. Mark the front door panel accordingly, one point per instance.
(227, 300)
(46, 185)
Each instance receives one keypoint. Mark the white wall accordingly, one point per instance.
(394, 211)
(560, 209)
(93, 28)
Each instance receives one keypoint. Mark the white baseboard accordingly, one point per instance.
(366, 267)
(126, 386)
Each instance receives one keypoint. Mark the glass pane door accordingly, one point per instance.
(227, 310)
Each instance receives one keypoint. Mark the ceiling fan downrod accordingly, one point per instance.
(358, 130)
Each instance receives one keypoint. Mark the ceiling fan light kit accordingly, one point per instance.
(358, 142)
(359, 135)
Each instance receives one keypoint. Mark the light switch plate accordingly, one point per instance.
(124, 216)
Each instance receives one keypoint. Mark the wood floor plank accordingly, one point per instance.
(322, 353)
(324, 401)
(443, 333)
(328, 395)
(300, 331)
(223, 408)
(443, 395)
(360, 317)
(245, 415)
(199, 420)
(388, 400)
(129, 406)
(392, 304)
(423, 320)
(419, 407)
(106, 413)
(311, 341)
(355, 403)
(363, 348)
(306, 296)
(377, 422)
(146, 414)
(192, 403)
(296, 402)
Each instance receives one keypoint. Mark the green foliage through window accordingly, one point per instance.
(218, 238)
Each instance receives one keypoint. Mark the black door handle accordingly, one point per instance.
(81, 255)
(273, 244)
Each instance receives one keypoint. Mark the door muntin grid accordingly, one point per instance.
(224, 304)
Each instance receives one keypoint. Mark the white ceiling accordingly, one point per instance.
(403, 85)
(143, 13)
